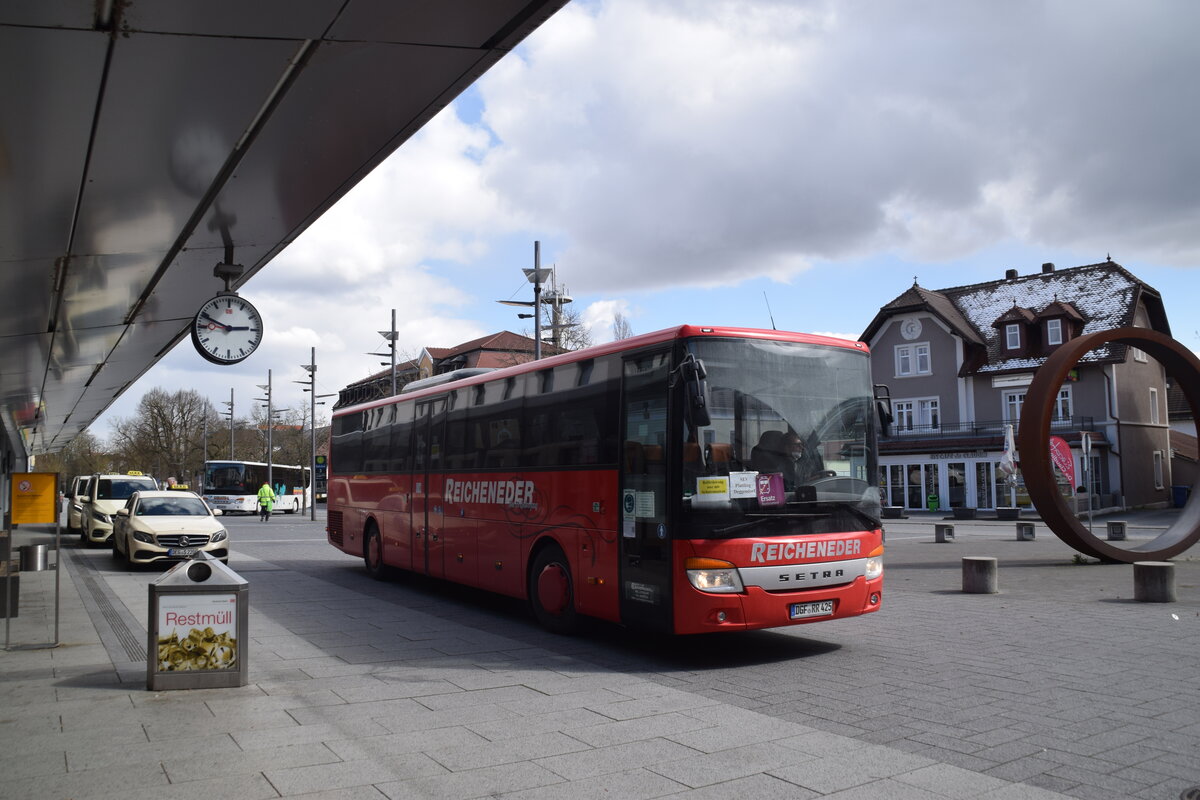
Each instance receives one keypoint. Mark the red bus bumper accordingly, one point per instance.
(702, 612)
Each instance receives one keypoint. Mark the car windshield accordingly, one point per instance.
(121, 488)
(789, 448)
(172, 507)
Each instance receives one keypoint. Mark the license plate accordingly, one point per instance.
(821, 608)
(183, 552)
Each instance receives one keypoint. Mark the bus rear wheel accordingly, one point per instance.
(551, 592)
(373, 553)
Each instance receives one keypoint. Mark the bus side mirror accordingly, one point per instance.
(696, 389)
(883, 408)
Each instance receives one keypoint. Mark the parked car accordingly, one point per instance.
(75, 494)
(107, 493)
(167, 525)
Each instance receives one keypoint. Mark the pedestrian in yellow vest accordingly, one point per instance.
(266, 502)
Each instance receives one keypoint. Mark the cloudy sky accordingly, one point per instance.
(727, 162)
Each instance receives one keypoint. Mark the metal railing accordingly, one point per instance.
(981, 429)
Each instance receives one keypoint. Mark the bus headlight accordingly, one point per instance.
(713, 575)
(874, 567)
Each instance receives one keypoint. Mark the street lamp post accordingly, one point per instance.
(537, 276)
(270, 425)
(230, 404)
(391, 336)
(311, 369)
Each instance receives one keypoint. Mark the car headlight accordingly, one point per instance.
(103, 517)
(713, 575)
(143, 537)
(219, 536)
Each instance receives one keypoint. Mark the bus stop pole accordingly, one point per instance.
(57, 575)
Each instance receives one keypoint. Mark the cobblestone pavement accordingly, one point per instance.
(1058, 685)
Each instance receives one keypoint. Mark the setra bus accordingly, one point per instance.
(633, 481)
(232, 486)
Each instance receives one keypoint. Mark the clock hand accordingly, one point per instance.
(214, 322)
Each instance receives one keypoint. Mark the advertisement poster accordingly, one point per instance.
(1060, 454)
(197, 632)
(34, 497)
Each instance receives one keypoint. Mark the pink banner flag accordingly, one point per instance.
(1060, 454)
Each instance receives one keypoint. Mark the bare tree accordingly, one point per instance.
(573, 334)
(164, 437)
(83, 456)
(620, 327)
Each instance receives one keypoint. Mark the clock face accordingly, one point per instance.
(227, 329)
(911, 329)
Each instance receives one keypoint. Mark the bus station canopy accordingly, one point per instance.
(143, 143)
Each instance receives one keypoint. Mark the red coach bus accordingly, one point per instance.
(685, 481)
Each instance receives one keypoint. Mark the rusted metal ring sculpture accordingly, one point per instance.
(1034, 436)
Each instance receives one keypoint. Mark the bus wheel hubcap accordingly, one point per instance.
(552, 587)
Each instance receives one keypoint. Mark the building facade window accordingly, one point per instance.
(916, 416)
(1154, 417)
(1012, 406)
(1139, 355)
(1158, 469)
(913, 359)
(1054, 332)
(1012, 336)
(1062, 405)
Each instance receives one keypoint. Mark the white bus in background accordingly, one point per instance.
(232, 486)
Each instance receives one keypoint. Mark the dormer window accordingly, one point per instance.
(1054, 332)
(1012, 336)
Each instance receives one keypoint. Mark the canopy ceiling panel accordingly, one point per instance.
(141, 143)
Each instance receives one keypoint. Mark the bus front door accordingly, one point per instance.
(645, 550)
(427, 506)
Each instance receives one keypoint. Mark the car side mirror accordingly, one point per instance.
(217, 512)
(122, 512)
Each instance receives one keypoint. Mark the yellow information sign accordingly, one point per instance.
(34, 497)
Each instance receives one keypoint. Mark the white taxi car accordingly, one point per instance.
(167, 526)
(75, 494)
(105, 494)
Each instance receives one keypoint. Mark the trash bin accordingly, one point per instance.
(1179, 495)
(932, 502)
(35, 557)
(197, 627)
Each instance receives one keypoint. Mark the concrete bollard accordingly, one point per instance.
(1116, 530)
(1024, 531)
(943, 533)
(1154, 581)
(979, 575)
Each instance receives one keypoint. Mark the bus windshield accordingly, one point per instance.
(230, 479)
(789, 444)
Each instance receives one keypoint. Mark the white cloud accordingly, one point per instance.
(704, 143)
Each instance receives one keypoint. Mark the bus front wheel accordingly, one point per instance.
(551, 592)
(373, 554)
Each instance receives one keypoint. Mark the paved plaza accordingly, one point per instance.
(1059, 685)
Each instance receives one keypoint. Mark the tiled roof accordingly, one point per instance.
(1177, 404)
(1103, 296)
(1184, 446)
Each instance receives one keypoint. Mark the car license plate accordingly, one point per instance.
(821, 608)
(183, 552)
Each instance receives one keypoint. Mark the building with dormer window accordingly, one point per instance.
(958, 361)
